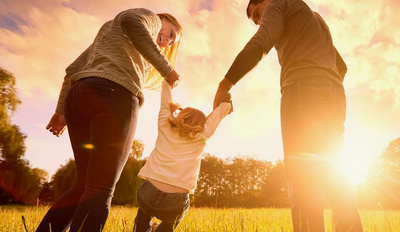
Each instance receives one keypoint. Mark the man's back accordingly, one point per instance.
(301, 38)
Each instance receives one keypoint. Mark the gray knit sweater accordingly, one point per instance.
(302, 40)
(124, 51)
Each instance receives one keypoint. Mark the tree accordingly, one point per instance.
(8, 99)
(129, 182)
(211, 183)
(64, 178)
(275, 186)
(241, 181)
(137, 149)
(18, 182)
(125, 191)
(382, 189)
(8, 104)
(46, 195)
(12, 144)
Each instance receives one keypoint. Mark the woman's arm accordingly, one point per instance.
(141, 26)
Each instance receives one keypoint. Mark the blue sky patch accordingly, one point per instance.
(12, 22)
(69, 5)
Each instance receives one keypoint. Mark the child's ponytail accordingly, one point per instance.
(174, 107)
(188, 122)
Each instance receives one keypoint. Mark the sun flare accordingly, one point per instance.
(355, 166)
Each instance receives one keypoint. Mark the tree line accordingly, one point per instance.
(247, 182)
(19, 183)
(241, 181)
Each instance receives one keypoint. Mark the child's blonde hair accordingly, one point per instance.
(189, 121)
(154, 79)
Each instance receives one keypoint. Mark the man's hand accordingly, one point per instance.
(173, 79)
(223, 89)
(57, 124)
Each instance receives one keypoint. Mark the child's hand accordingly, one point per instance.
(227, 97)
(229, 100)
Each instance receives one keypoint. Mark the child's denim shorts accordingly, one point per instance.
(168, 207)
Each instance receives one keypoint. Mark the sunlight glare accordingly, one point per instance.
(355, 166)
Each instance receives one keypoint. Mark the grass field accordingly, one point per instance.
(202, 219)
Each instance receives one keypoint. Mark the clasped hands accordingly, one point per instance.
(222, 94)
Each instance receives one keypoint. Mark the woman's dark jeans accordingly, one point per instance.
(101, 117)
(312, 116)
(170, 208)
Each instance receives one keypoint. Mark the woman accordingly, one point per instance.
(101, 109)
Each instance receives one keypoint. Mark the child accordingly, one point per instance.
(173, 167)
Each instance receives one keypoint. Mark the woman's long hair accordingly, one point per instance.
(188, 122)
(154, 79)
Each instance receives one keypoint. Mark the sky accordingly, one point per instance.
(40, 38)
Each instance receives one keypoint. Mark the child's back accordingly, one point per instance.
(176, 157)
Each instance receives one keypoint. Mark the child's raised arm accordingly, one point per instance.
(166, 98)
(214, 119)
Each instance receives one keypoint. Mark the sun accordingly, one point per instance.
(355, 166)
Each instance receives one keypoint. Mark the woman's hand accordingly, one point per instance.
(57, 124)
(173, 79)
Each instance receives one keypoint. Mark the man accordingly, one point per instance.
(312, 108)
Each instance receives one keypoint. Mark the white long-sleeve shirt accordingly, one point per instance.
(175, 160)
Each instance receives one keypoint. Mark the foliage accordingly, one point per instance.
(8, 98)
(137, 149)
(125, 192)
(19, 183)
(382, 187)
(242, 181)
(46, 195)
(64, 178)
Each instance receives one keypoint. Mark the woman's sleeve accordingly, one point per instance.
(166, 98)
(141, 26)
(215, 118)
(73, 68)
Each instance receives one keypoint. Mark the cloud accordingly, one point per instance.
(40, 38)
(39, 51)
(368, 36)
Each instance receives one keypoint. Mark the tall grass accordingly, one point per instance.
(121, 219)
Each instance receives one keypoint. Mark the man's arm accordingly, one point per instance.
(271, 27)
(246, 60)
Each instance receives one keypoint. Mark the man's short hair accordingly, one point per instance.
(255, 2)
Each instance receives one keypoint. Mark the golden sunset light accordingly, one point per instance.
(131, 158)
(40, 39)
(355, 166)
